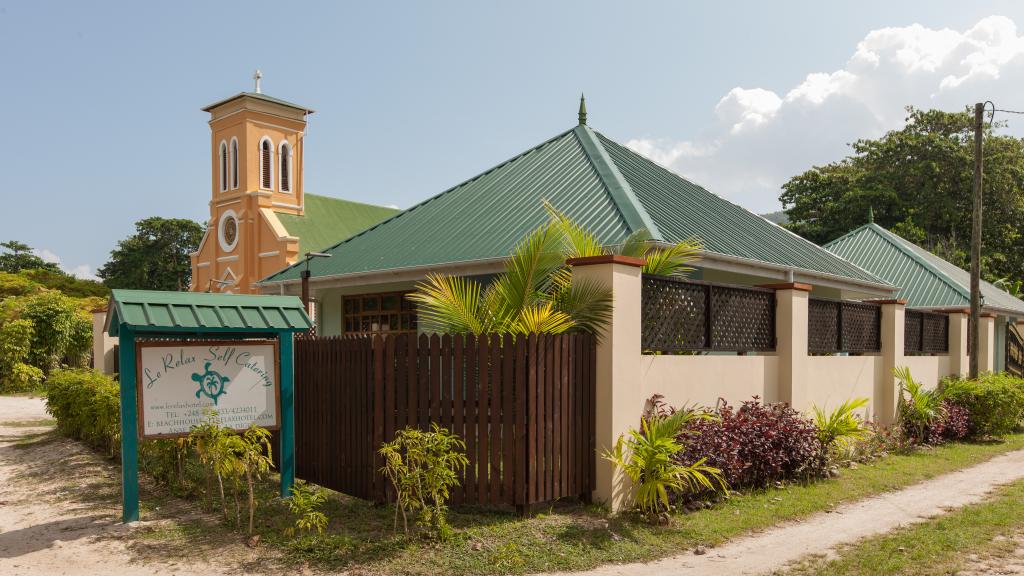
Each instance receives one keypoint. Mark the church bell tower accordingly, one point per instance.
(256, 144)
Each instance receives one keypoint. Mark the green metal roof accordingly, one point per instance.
(152, 311)
(927, 281)
(327, 221)
(258, 96)
(607, 188)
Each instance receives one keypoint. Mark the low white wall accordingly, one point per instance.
(927, 370)
(688, 380)
(832, 380)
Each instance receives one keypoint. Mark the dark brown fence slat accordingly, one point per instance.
(508, 457)
(459, 415)
(482, 441)
(471, 417)
(534, 409)
(520, 479)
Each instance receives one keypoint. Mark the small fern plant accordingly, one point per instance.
(917, 408)
(649, 458)
(839, 429)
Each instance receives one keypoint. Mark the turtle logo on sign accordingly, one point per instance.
(211, 383)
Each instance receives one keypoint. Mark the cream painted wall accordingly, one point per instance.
(929, 370)
(688, 380)
(833, 380)
(102, 344)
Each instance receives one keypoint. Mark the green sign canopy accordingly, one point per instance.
(135, 316)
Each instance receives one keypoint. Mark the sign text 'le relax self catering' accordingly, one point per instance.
(179, 382)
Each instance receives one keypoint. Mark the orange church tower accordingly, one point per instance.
(256, 144)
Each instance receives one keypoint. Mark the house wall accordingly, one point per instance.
(102, 344)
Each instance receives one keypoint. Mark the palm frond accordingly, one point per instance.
(673, 260)
(579, 241)
(528, 270)
(543, 319)
(587, 301)
(450, 304)
(637, 244)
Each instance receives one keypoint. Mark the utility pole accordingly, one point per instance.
(979, 110)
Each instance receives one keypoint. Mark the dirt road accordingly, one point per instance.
(60, 512)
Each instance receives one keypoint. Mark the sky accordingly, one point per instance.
(102, 100)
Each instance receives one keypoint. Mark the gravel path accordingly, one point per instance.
(60, 511)
(773, 549)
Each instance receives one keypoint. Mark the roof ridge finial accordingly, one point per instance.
(871, 215)
(583, 110)
(257, 76)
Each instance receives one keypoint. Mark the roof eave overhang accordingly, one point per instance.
(731, 263)
(712, 260)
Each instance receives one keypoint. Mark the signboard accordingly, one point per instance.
(180, 381)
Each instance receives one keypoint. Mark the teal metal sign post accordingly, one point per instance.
(136, 316)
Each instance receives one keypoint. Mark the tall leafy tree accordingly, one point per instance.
(917, 180)
(155, 257)
(17, 256)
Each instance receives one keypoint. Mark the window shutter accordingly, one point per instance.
(265, 162)
(285, 176)
(234, 163)
(223, 168)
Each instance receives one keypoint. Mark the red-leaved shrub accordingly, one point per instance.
(953, 424)
(756, 444)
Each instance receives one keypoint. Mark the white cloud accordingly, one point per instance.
(761, 138)
(83, 271)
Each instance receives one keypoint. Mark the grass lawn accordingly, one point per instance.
(943, 545)
(573, 537)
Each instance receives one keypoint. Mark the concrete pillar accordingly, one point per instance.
(987, 343)
(999, 363)
(791, 301)
(886, 389)
(102, 344)
(958, 361)
(620, 401)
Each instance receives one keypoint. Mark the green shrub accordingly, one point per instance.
(15, 342)
(994, 402)
(86, 405)
(23, 378)
(305, 505)
(422, 468)
(67, 336)
(917, 409)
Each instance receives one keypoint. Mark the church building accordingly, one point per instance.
(261, 218)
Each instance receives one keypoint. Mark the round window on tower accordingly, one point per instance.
(227, 231)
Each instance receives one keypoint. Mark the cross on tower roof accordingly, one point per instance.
(256, 77)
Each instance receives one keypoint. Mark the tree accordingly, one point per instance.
(18, 256)
(917, 180)
(537, 293)
(156, 257)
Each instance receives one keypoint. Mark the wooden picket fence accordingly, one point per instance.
(524, 406)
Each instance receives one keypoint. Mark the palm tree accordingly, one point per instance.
(537, 293)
